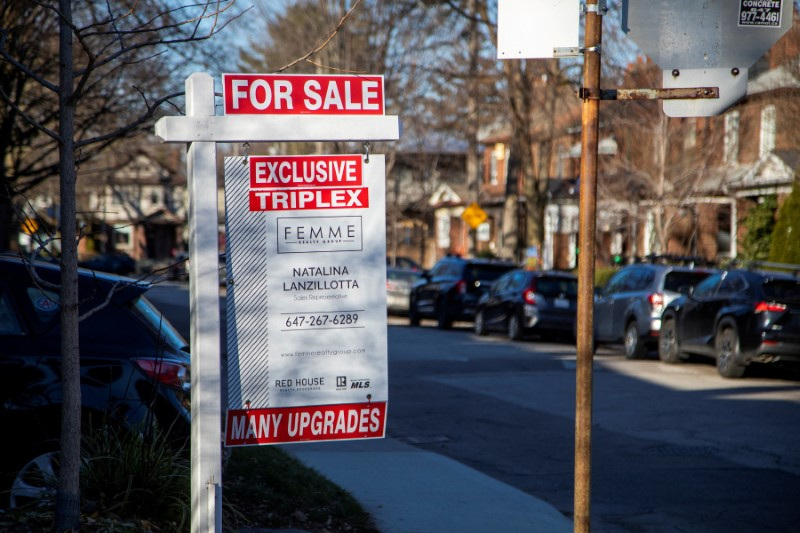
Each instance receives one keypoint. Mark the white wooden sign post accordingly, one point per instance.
(334, 109)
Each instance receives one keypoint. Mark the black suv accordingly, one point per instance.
(451, 289)
(628, 308)
(737, 317)
(134, 369)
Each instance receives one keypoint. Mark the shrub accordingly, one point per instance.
(760, 223)
(136, 477)
(785, 247)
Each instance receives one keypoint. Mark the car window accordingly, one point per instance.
(484, 272)
(502, 283)
(519, 280)
(552, 287)
(680, 281)
(9, 322)
(782, 289)
(732, 283)
(636, 280)
(617, 282)
(707, 286)
(439, 270)
(45, 304)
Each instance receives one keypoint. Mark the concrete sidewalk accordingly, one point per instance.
(408, 490)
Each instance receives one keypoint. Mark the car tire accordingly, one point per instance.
(413, 314)
(443, 320)
(514, 328)
(35, 480)
(668, 350)
(726, 344)
(635, 348)
(480, 323)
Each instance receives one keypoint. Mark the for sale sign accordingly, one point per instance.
(306, 271)
(290, 94)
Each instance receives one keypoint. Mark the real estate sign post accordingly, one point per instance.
(319, 223)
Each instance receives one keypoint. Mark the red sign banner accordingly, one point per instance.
(305, 171)
(294, 94)
(248, 427)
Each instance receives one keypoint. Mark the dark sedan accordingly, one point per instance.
(737, 317)
(528, 301)
(134, 369)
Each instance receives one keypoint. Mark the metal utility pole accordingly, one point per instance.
(590, 120)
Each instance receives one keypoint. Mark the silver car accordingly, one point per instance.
(628, 308)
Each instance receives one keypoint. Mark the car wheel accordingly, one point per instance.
(514, 329)
(442, 318)
(413, 314)
(635, 348)
(36, 481)
(727, 348)
(480, 324)
(668, 350)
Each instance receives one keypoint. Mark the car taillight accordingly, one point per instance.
(166, 372)
(461, 286)
(529, 297)
(656, 301)
(770, 306)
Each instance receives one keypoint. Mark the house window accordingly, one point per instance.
(767, 138)
(731, 146)
(493, 168)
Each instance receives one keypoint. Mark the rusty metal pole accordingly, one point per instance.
(590, 119)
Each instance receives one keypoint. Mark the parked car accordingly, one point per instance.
(737, 317)
(113, 262)
(527, 301)
(398, 288)
(451, 289)
(134, 370)
(628, 308)
(403, 262)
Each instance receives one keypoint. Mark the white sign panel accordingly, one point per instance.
(306, 248)
(705, 44)
(537, 28)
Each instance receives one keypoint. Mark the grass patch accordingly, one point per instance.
(265, 487)
(134, 485)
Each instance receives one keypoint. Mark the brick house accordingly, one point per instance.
(665, 185)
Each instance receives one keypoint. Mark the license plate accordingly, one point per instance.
(561, 303)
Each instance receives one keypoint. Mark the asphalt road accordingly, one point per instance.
(674, 448)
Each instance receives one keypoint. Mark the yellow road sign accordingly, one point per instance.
(474, 215)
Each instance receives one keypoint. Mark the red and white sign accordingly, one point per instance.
(296, 183)
(291, 94)
(248, 427)
(307, 334)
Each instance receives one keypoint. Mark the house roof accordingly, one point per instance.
(773, 169)
(782, 77)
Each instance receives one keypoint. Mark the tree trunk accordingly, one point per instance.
(67, 515)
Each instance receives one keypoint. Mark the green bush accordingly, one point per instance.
(785, 247)
(759, 223)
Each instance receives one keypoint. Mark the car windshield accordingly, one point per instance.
(552, 287)
(782, 289)
(156, 321)
(402, 275)
(676, 281)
